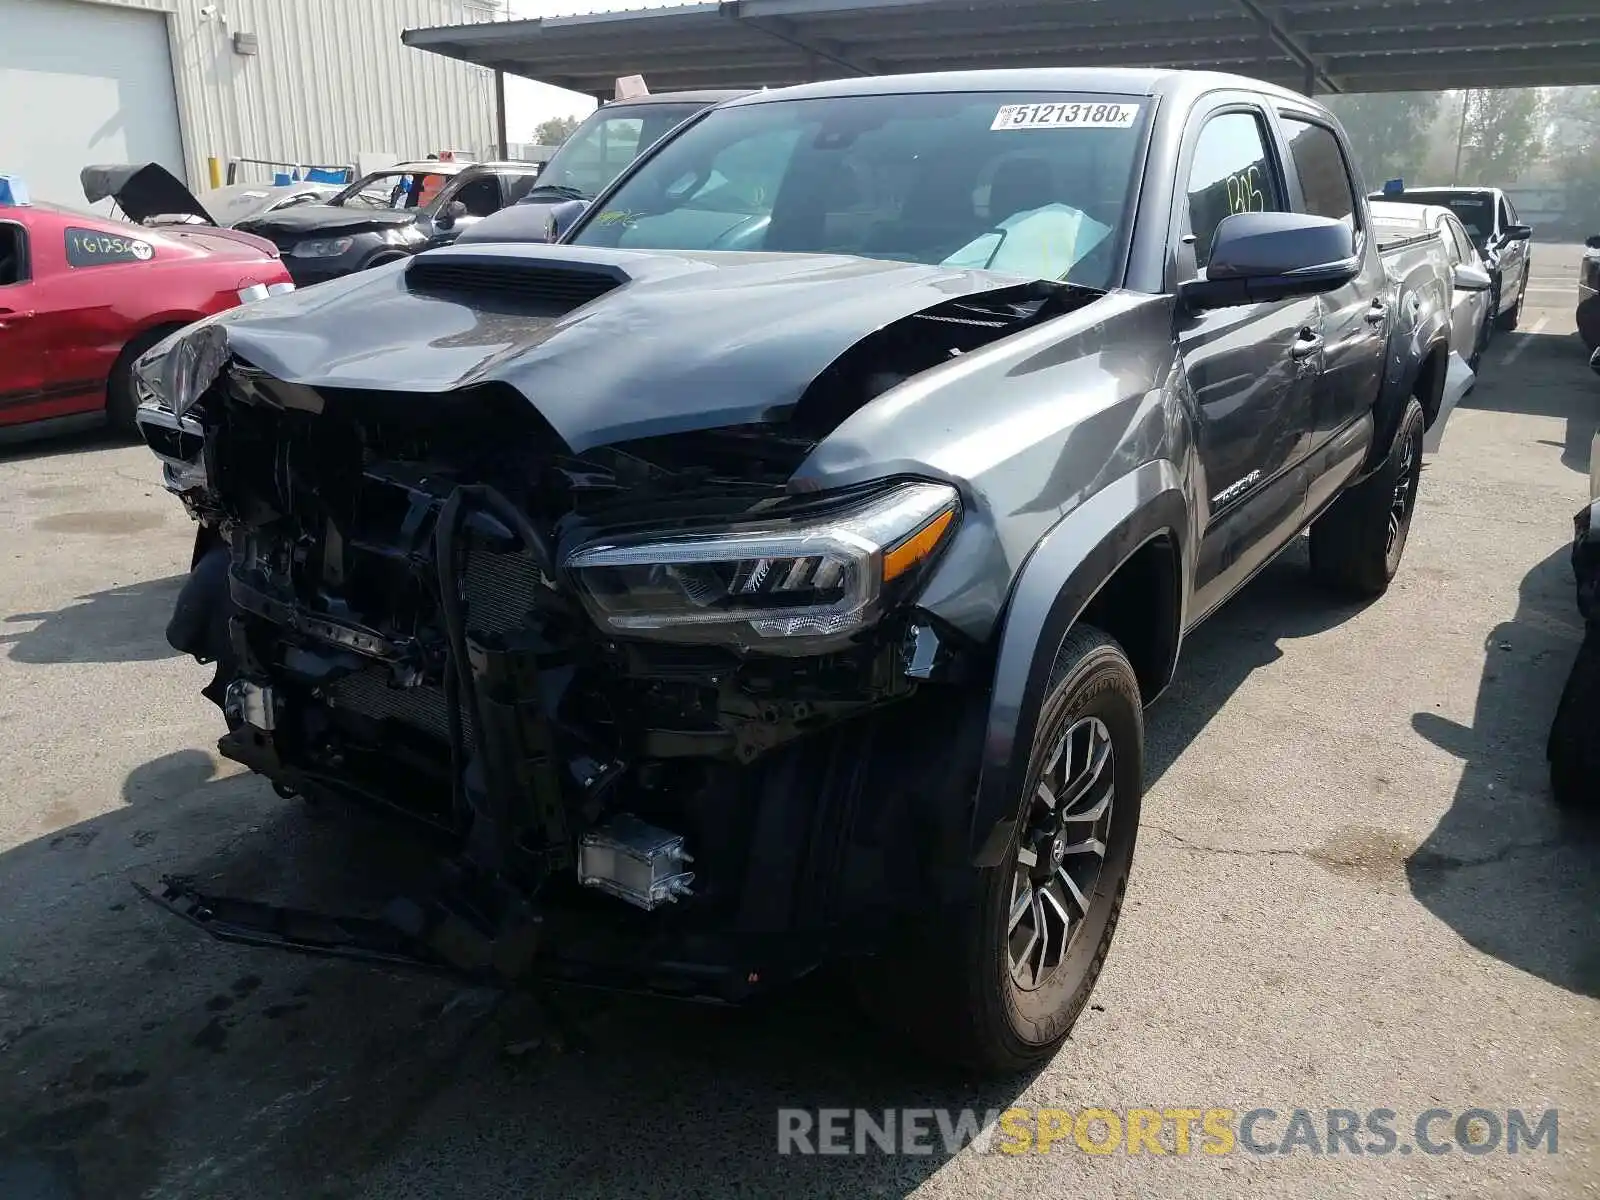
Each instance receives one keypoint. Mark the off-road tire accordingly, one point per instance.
(122, 402)
(1574, 746)
(953, 995)
(1351, 548)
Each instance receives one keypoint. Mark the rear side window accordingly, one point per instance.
(1324, 175)
(1231, 173)
(92, 248)
(518, 186)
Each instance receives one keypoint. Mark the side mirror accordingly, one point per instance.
(1470, 278)
(1518, 233)
(562, 218)
(453, 212)
(1261, 256)
(1592, 241)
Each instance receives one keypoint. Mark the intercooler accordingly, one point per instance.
(497, 588)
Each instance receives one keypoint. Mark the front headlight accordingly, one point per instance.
(796, 586)
(178, 370)
(321, 248)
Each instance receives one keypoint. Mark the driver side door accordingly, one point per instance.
(1251, 369)
(1513, 256)
(479, 196)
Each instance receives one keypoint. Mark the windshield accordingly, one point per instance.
(1475, 210)
(393, 189)
(612, 137)
(1034, 185)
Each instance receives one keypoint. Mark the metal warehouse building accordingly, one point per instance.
(179, 82)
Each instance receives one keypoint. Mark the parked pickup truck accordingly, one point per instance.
(1497, 231)
(779, 569)
(1430, 254)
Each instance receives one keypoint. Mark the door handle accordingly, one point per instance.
(1377, 313)
(1306, 344)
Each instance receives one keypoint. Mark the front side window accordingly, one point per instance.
(480, 195)
(1463, 244)
(1447, 236)
(1232, 172)
(1324, 175)
(13, 254)
(1033, 185)
(518, 186)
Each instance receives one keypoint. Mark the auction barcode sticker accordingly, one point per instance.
(1065, 116)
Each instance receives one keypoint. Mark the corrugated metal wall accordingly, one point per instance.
(329, 81)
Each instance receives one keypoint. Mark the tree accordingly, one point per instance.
(1502, 135)
(555, 131)
(1574, 150)
(1388, 131)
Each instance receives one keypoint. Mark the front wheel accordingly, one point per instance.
(1357, 544)
(122, 401)
(998, 988)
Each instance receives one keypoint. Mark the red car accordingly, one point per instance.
(82, 296)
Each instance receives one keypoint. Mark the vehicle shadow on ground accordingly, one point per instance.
(206, 1069)
(1282, 603)
(120, 624)
(1509, 872)
(1550, 369)
(254, 1073)
(64, 444)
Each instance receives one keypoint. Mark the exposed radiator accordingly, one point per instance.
(497, 590)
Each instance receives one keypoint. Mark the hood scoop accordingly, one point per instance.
(540, 284)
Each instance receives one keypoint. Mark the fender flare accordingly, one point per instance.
(1392, 404)
(1059, 579)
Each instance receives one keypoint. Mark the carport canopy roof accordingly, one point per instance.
(1310, 45)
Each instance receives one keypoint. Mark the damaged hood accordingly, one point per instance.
(306, 219)
(142, 191)
(608, 345)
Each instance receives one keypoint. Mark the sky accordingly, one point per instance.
(527, 102)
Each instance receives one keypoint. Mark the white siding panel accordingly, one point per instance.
(80, 84)
(330, 79)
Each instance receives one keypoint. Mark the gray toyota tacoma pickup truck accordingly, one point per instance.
(778, 570)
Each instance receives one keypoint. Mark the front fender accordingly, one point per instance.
(1065, 570)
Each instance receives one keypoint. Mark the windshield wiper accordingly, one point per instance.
(557, 189)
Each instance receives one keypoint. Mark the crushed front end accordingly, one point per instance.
(672, 724)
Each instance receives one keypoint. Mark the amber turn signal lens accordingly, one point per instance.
(917, 547)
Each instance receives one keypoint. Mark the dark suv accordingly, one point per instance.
(389, 215)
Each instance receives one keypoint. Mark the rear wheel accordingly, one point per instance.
(999, 987)
(1357, 544)
(122, 401)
